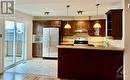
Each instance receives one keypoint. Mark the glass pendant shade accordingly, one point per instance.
(67, 26)
(97, 25)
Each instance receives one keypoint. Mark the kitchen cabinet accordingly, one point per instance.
(37, 27)
(52, 23)
(37, 50)
(83, 24)
(75, 25)
(102, 30)
(39, 24)
(67, 32)
(114, 23)
(90, 64)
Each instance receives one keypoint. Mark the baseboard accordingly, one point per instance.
(50, 58)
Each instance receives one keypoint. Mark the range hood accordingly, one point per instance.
(81, 34)
(81, 31)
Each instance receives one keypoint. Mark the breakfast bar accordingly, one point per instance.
(90, 62)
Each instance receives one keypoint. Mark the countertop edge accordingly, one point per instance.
(90, 47)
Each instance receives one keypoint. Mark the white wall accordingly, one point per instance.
(1, 56)
(127, 40)
(27, 19)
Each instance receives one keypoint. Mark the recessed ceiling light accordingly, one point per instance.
(46, 13)
(80, 12)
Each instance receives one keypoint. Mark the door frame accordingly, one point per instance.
(14, 44)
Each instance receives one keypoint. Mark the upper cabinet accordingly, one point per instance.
(102, 30)
(83, 24)
(67, 32)
(39, 24)
(52, 23)
(75, 25)
(37, 27)
(114, 23)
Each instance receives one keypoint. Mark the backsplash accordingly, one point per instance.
(91, 39)
(116, 43)
(96, 40)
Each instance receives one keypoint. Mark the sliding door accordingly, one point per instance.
(20, 41)
(14, 43)
(9, 43)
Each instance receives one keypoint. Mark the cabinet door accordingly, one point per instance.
(37, 50)
(91, 29)
(56, 23)
(37, 27)
(114, 23)
(103, 27)
(102, 30)
(117, 25)
(67, 32)
(81, 25)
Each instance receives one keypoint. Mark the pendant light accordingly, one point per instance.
(97, 24)
(67, 26)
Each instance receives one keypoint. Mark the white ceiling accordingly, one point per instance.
(58, 7)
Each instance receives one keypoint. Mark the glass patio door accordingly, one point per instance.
(20, 41)
(9, 42)
(14, 42)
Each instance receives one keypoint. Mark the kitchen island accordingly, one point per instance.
(90, 63)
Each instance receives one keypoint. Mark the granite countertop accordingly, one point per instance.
(91, 47)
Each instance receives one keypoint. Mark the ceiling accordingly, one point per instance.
(58, 7)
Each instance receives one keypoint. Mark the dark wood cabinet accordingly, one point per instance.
(47, 23)
(37, 27)
(102, 29)
(67, 32)
(37, 50)
(89, 64)
(114, 23)
(83, 24)
(52, 23)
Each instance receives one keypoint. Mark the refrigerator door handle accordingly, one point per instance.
(50, 41)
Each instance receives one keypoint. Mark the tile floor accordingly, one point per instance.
(36, 66)
(21, 76)
(9, 60)
(35, 69)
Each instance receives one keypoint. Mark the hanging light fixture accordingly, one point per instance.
(97, 24)
(67, 26)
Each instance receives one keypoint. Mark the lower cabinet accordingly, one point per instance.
(83, 64)
(37, 50)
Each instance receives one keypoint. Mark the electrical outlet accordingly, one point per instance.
(129, 5)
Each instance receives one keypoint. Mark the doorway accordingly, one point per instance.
(14, 43)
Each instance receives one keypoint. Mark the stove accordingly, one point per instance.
(80, 42)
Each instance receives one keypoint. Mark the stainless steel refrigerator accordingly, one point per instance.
(50, 41)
